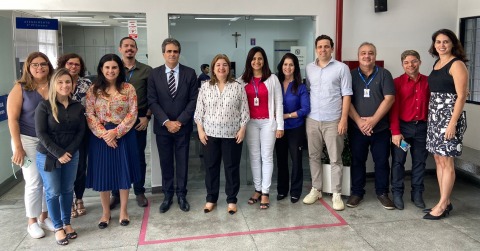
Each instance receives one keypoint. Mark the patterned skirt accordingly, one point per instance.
(439, 114)
(113, 168)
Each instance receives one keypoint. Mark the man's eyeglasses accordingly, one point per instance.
(71, 64)
(36, 65)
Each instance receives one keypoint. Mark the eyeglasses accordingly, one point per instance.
(71, 64)
(36, 65)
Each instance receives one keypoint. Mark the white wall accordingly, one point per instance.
(200, 45)
(7, 73)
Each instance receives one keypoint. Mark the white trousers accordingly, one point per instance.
(35, 202)
(261, 142)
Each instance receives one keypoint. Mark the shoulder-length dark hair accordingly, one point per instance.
(62, 62)
(214, 78)
(297, 76)
(27, 78)
(248, 72)
(101, 83)
(457, 48)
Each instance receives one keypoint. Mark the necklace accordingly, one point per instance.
(44, 86)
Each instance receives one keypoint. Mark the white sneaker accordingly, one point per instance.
(35, 231)
(313, 196)
(337, 202)
(47, 224)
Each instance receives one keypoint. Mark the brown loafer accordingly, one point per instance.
(142, 200)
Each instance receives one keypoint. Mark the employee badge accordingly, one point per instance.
(366, 93)
(256, 102)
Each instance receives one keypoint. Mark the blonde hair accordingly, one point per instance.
(214, 78)
(52, 91)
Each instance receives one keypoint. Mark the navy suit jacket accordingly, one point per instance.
(163, 106)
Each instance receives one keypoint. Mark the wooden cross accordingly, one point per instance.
(236, 35)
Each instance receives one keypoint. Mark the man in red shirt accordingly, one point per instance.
(408, 123)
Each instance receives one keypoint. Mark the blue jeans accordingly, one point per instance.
(58, 186)
(379, 144)
(416, 135)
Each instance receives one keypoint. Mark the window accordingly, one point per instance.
(470, 38)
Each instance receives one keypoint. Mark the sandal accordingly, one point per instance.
(253, 200)
(63, 241)
(74, 213)
(71, 235)
(265, 205)
(81, 210)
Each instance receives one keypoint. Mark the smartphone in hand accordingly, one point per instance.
(404, 145)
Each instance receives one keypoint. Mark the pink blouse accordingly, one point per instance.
(119, 109)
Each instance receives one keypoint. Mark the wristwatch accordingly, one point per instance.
(290, 115)
(148, 117)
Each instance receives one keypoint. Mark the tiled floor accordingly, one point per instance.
(285, 226)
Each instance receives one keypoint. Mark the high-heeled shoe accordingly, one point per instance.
(71, 235)
(124, 222)
(449, 209)
(265, 205)
(232, 208)
(428, 216)
(209, 207)
(253, 200)
(63, 241)
(104, 224)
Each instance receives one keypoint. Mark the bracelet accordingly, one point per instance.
(290, 115)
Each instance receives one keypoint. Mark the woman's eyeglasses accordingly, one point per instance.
(36, 65)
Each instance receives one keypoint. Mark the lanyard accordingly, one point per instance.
(369, 81)
(255, 87)
(129, 77)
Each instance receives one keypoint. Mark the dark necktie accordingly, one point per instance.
(171, 84)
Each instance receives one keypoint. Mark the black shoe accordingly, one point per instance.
(398, 201)
(124, 222)
(167, 202)
(104, 224)
(417, 199)
(114, 201)
(428, 216)
(385, 201)
(354, 201)
(449, 208)
(281, 196)
(294, 199)
(142, 200)
(183, 203)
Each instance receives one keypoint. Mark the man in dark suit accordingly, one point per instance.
(172, 97)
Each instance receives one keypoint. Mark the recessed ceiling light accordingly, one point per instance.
(73, 17)
(94, 25)
(86, 22)
(273, 19)
(128, 18)
(215, 18)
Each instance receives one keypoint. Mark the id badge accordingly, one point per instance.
(256, 102)
(366, 93)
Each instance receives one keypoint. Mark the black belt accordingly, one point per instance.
(415, 122)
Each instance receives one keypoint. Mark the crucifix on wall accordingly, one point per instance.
(236, 35)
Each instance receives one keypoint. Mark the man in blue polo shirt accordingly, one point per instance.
(373, 95)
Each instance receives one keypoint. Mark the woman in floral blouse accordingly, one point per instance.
(111, 109)
(76, 67)
(221, 116)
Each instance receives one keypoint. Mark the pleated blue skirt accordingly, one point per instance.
(113, 168)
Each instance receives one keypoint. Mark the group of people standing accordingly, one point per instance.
(51, 136)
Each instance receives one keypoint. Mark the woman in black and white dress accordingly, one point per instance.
(446, 119)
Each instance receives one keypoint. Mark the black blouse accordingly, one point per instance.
(58, 138)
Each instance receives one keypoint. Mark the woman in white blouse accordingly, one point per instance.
(265, 101)
(221, 117)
